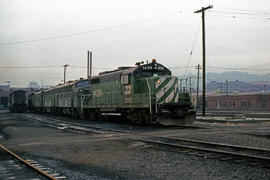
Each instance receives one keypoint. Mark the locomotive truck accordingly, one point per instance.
(145, 94)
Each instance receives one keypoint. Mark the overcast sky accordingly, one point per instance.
(122, 32)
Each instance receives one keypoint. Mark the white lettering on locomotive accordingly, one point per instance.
(128, 89)
(97, 93)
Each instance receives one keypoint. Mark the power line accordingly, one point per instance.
(90, 31)
(180, 67)
(108, 68)
(246, 10)
(46, 67)
(28, 67)
(239, 17)
(224, 68)
(83, 67)
(242, 13)
(192, 48)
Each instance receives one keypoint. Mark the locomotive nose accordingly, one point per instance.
(166, 89)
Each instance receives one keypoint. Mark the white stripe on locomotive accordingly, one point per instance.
(163, 90)
(160, 81)
(176, 91)
(169, 98)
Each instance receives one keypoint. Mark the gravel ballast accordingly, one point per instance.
(82, 155)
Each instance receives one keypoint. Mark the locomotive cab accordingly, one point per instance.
(163, 94)
(82, 87)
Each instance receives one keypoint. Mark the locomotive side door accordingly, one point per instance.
(126, 88)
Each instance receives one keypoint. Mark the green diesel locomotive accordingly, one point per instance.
(62, 99)
(145, 93)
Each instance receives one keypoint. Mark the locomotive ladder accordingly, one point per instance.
(150, 99)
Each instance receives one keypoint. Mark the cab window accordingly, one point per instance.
(125, 79)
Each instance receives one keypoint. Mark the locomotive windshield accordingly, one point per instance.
(82, 83)
(150, 70)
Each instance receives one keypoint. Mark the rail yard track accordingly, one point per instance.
(11, 163)
(228, 152)
(252, 155)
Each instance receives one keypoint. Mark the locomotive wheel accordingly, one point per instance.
(82, 114)
(140, 116)
(94, 115)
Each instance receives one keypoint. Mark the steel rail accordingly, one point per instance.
(158, 142)
(77, 124)
(106, 129)
(27, 163)
(222, 145)
(242, 155)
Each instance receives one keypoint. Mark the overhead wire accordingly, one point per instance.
(46, 67)
(239, 17)
(107, 68)
(192, 48)
(28, 67)
(240, 13)
(245, 10)
(90, 31)
(83, 67)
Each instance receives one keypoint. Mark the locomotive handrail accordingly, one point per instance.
(82, 100)
(149, 90)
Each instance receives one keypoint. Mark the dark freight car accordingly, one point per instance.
(17, 101)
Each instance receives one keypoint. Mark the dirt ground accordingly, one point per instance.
(82, 155)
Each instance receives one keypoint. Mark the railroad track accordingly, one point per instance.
(13, 166)
(230, 152)
(72, 125)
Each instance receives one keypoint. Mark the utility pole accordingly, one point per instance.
(221, 88)
(181, 85)
(226, 84)
(65, 68)
(203, 56)
(190, 88)
(198, 67)
(186, 85)
(89, 64)
(90, 58)
(87, 67)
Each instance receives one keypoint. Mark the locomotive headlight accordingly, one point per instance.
(158, 81)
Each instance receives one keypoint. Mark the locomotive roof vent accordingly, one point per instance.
(104, 72)
(123, 68)
(139, 63)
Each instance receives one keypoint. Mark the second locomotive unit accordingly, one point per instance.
(145, 93)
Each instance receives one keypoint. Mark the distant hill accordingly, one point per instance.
(232, 76)
(235, 75)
